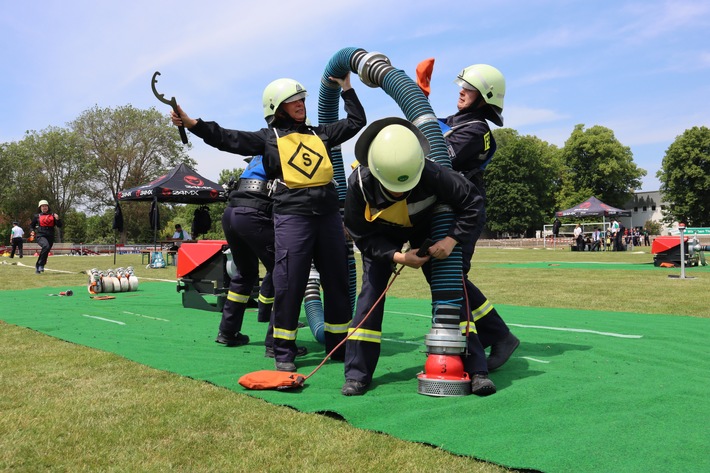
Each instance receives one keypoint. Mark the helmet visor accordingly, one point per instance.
(463, 84)
(296, 97)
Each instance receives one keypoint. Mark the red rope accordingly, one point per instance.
(396, 273)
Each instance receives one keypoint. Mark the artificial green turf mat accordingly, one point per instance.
(586, 390)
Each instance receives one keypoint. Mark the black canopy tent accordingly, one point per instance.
(181, 185)
(594, 207)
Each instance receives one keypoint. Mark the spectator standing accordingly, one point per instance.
(556, 227)
(614, 229)
(578, 238)
(16, 235)
(596, 239)
(619, 238)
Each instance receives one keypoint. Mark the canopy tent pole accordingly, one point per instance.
(154, 212)
(117, 226)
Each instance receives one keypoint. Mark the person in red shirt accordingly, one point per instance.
(42, 226)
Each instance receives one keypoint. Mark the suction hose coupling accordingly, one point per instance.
(445, 342)
(372, 68)
(445, 336)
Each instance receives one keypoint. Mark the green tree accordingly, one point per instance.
(685, 178)
(98, 228)
(75, 224)
(226, 175)
(20, 185)
(65, 167)
(597, 164)
(128, 147)
(653, 227)
(521, 181)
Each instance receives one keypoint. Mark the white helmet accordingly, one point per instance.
(394, 150)
(42, 202)
(278, 92)
(490, 82)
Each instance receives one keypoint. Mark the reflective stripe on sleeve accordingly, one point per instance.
(266, 300)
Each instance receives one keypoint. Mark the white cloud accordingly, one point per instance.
(517, 116)
(655, 19)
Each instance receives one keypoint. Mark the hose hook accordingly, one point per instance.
(172, 102)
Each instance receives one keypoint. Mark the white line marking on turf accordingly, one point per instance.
(579, 330)
(46, 269)
(105, 320)
(534, 359)
(145, 316)
(561, 329)
(407, 313)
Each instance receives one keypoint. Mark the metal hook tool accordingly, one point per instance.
(172, 102)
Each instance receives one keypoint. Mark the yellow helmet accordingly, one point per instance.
(42, 202)
(490, 82)
(394, 150)
(278, 92)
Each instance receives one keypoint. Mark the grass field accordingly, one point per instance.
(70, 408)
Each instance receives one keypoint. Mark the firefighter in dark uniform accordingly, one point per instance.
(249, 229)
(307, 222)
(390, 200)
(471, 147)
(42, 229)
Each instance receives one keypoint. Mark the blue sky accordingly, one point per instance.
(640, 68)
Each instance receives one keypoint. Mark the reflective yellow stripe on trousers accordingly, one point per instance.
(481, 311)
(365, 335)
(284, 334)
(240, 298)
(336, 328)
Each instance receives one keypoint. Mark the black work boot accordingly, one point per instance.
(481, 385)
(353, 388)
(233, 341)
(501, 351)
(285, 366)
(300, 351)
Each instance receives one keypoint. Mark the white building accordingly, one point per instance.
(645, 206)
